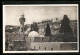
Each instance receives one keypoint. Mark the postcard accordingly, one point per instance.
(40, 28)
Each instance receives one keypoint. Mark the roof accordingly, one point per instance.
(33, 34)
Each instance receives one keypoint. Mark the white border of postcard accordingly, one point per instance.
(41, 51)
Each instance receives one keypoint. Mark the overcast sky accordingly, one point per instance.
(38, 13)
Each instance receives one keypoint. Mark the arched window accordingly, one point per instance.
(51, 48)
(39, 47)
(42, 39)
(45, 48)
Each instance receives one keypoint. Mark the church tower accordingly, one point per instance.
(22, 20)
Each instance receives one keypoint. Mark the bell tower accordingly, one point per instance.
(22, 20)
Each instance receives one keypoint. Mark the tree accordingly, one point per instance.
(34, 27)
(25, 27)
(31, 27)
(48, 31)
(66, 29)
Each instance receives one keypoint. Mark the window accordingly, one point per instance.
(39, 47)
(45, 48)
(51, 48)
(42, 39)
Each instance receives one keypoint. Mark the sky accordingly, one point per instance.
(38, 13)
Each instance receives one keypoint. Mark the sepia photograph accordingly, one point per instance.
(40, 28)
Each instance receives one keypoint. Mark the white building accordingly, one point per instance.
(55, 20)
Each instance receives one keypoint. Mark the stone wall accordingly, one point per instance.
(38, 39)
(29, 39)
(13, 37)
(19, 44)
(43, 46)
(68, 46)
